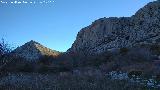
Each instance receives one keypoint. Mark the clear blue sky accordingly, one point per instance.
(56, 25)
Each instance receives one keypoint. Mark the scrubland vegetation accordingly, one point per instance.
(68, 72)
(77, 80)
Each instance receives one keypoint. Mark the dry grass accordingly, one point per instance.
(88, 79)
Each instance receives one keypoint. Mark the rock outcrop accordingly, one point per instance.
(112, 33)
(33, 51)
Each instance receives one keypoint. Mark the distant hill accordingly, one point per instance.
(33, 50)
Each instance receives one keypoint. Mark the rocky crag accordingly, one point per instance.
(33, 50)
(113, 33)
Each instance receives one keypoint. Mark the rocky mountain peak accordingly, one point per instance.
(33, 42)
(150, 10)
(113, 33)
(33, 50)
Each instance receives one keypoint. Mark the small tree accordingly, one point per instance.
(4, 48)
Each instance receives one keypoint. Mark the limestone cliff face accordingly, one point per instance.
(111, 33)
(33, 50)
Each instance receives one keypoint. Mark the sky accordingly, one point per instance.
(56, 24)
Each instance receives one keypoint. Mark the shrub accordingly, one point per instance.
(46, 60)
(139, 55)
(124, 50)
(155, 48)
(27, 67)
(135, 73)
(157, 78)
(18, 64)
